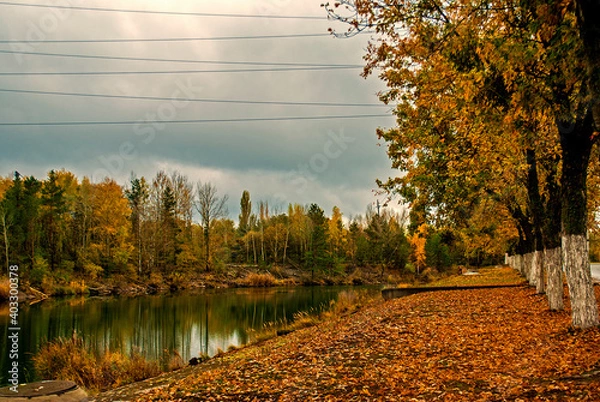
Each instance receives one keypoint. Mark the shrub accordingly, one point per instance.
(174, 360)
(39, 271)
(260, 280)
(92, 271)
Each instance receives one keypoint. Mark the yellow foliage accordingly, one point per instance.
(417, 242)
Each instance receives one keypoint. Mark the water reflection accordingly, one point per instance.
(191, 324)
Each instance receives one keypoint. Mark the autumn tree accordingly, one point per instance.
(528, 59)
(337, 235)
(210, 207)
(109, 229)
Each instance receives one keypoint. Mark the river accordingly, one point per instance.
(191, 324)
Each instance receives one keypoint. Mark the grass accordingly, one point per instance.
(69, 359)
(260, 280)
(487, 276)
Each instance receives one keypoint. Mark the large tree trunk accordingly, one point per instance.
(539, 271)
(576, 144)
(552, 238)
(536, 209)
(554, 291)
(527, 267)
(584, 309)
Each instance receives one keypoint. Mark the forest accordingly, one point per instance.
(63, 229)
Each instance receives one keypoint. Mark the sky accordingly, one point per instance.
(331, 162)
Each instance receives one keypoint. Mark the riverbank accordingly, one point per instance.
(459, 345)
(233, 276)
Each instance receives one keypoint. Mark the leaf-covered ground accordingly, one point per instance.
(463, 345)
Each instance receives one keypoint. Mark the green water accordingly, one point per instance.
(191, 324)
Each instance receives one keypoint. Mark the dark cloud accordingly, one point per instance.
(333, 162)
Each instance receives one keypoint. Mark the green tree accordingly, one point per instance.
(317, 257)
(53, 209)
(245, 212)
(138, 196)
(437, 254)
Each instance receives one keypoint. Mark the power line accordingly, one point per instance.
(204, 100)
(134, 40)
(196, 14)
(195, 121)
(129, 58)
(159, 72)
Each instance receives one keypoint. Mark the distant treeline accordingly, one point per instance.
(63, 228)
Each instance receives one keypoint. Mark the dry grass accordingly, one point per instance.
(260, 280)
(487, 276)
(69, 359)
(175, 361)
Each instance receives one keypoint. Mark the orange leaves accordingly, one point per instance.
(417, 241)
(475, 345)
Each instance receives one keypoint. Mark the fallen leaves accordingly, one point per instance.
(463, 345)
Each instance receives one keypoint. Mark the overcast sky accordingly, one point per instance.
(329, 162)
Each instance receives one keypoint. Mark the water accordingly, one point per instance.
(191, 324)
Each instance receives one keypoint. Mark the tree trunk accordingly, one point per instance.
(285, 246)
(527, 259)
(584, 308)
(576, 143)
(554, 290)
(537, 211)
(207, 248)
(534, 268)
(540, 271)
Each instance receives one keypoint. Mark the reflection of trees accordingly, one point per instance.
(190, 323)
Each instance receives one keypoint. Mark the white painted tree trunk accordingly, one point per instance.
(540, 272)
(533, 269)
(584, 308)
(519, 263)
(554, 289)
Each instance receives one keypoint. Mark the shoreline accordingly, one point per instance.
(236, 276)
(463, 345)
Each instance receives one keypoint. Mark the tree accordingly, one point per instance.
(54, 206)
(437, 254)
(109, 229)
(210, 207)
(169, 230)
(138, 196)
(461, 69)
(336, 234)
(417, 241)
(316, 255)
(245, 212)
